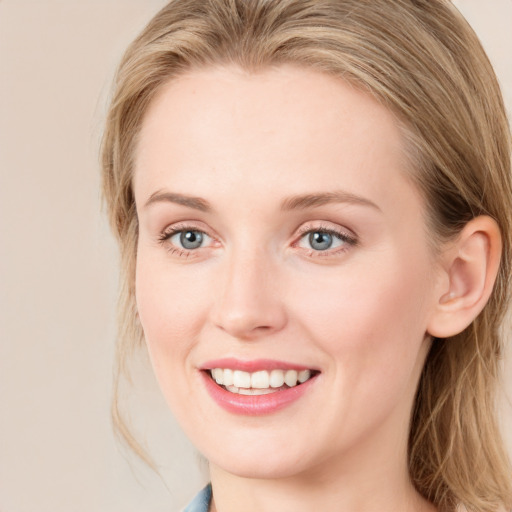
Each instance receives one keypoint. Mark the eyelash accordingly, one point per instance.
(347, 239)
(167, 234)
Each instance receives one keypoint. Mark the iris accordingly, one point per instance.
(320, 241)
(191, 239)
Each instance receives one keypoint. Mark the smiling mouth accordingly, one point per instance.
(261, 382)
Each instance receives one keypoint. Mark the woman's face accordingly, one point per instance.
(278, 233)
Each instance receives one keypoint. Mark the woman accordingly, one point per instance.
(312, 201)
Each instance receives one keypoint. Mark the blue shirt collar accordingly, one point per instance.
(201, 502)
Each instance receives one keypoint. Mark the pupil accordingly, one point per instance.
(191, 239)
(320, 241)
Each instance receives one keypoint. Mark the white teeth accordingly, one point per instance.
(253, 391)
(218, 375)
(260, 382)
(241, 379)
(228, 377)
(303, 376)
(276, 378)
(290, 378)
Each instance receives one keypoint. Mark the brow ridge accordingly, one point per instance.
(302, 202)
(197, 203)
(296, 202)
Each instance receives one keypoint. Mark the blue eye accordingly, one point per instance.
(185, 239)
(191, 239)
(320, 241)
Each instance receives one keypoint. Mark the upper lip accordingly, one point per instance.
(253, 365)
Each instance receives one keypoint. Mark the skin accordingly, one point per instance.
(358, 312)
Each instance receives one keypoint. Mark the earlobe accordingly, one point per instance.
(470, 267)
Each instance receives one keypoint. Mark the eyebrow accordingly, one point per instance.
(197, 203)
(301, 202)
(297, 202)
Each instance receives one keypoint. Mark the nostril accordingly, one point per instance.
(245, 327)
(245, 306)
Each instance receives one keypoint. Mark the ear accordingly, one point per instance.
(469, 269)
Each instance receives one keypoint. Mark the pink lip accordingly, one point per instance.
(254, 405)
(252, 366)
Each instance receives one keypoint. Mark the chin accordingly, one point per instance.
(258, 469)
(261, 460)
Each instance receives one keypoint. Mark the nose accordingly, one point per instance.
(249, 303)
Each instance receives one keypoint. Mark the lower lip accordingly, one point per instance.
(255, 405)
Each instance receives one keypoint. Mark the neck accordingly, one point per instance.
(368, 480)
(231, 493)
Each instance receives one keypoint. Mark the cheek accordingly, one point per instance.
(372, 315)
(370, 322)
(169, 309)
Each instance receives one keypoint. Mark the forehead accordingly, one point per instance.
(290, 128)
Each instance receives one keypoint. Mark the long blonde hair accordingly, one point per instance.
(421, 60)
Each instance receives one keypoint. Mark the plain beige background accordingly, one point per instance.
(58, 269)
